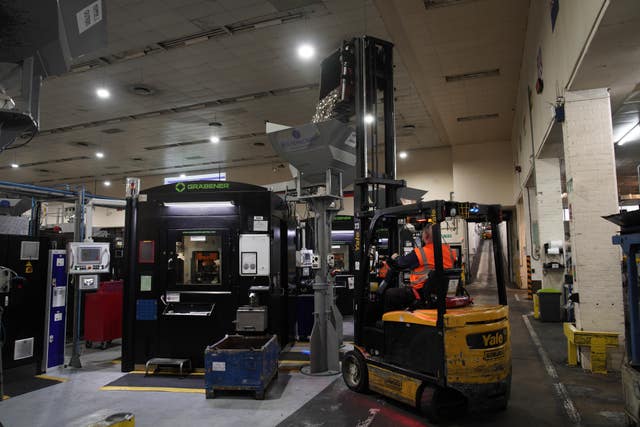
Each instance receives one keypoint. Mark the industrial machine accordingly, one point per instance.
(629, 240)
(23, 270)
(206, 259)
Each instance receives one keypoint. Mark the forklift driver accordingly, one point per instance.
(420, 261)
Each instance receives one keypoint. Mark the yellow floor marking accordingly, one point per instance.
(195, 374)
(164, 389)
(5, 397)
(49, 377)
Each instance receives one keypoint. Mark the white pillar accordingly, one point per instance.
(550, 221)
(592, 193)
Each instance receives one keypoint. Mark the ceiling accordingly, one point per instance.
(234, 62)
(466, 69)
(227, 61)
(613, 61)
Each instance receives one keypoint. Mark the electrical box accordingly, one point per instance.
(304, 258)
(88, 257)
(255, 251)
(5, 280)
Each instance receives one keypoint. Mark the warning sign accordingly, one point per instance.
(28, 268)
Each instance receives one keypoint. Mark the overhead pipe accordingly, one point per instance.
(38, 190)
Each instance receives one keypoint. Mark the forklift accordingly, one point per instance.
(440, 354)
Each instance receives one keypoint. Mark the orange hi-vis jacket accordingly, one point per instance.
(420, 274)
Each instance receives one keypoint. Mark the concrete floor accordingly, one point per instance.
(299, 400)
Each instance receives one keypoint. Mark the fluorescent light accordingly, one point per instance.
(214, 139)
(99, 154)
(107, 183)
(15, 165)
(368, 118)
(306, 51)
(632, 135)
(183, 175)
(198, 238)
(103, 93)
(335, 246)
(199, 204)
(403, 155)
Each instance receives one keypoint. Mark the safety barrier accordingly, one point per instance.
(597, 341)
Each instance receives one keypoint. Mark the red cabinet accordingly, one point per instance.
(103, 314)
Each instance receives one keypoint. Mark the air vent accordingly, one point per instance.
(258, 144)
(137, 159)
(215, 124)
(193, 158)
(478, 117)
(112, 130)
(472, 75)
(43, 170)
(83, 144)
(23, 348)
(141, 89)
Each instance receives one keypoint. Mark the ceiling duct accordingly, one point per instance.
(434, 4)
(472, 75)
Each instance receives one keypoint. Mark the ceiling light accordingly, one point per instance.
(368, 118)
(214, 139)
(306, 51)
(103, 93)
(15, 165)
(99, 154)
(403, 155)
(107, 183)
(183, 175)
(632, 135)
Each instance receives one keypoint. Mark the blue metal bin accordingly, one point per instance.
(239, 362)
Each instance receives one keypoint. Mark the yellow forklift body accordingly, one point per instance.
(393, 384)
(476, 338)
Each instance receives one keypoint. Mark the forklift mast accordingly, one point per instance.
(375, 184)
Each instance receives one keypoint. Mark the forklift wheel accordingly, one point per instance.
(355, 372)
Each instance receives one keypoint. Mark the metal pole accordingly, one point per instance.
(129, 291)
(1, 345)
(78, 237)
(497, 255)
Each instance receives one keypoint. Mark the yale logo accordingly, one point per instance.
(493, 339)
(488, 339)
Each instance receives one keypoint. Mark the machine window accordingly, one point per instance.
(199, 260)
(341, 256)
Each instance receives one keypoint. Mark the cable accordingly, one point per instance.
(9, 147)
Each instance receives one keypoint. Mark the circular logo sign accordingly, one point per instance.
(180, 187)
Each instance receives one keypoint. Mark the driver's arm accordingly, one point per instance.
(404, 262)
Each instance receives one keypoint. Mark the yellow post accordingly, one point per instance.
(536, 306)
(572, 349)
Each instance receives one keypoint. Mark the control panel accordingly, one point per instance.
(88, 257)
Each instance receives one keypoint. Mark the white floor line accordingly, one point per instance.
(517, 297)
(559, 388)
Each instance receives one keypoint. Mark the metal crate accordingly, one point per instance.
(239, 362)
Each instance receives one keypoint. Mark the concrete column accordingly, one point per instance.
(592, 193)
(550, 221)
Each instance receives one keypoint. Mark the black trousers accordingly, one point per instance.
(398, 299)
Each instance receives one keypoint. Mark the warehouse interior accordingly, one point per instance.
(319, 212)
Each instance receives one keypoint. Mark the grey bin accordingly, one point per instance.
(550, 305)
